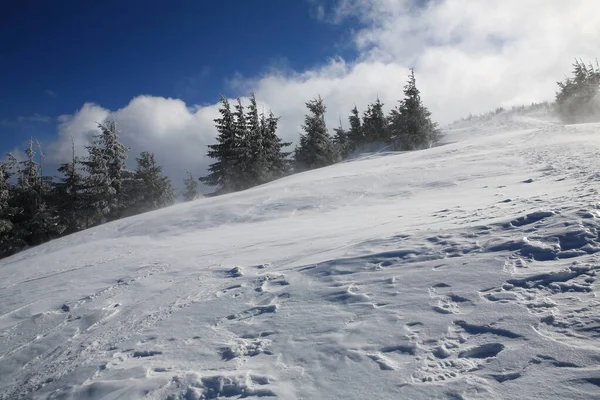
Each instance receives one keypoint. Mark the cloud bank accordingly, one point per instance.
(469, 56)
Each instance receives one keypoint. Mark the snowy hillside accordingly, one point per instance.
(467, 271)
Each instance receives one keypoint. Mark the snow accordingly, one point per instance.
(466, 271)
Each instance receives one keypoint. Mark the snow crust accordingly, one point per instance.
(466, 271)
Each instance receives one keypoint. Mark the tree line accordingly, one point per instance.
(35, 208)
(249, 152)
(99, 187)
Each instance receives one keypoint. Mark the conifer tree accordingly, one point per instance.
(256, 166)
(107, 174)
(342, 142)
(356, 136)
(578, 97)
(316, 148)
(374, 124)
(151, 189)
(278, 164)
(69, 196)
(191, 188)
(267, 159)
(243, 162)
(225, 172)
(35, 221)
(7, 242)
(410, 124)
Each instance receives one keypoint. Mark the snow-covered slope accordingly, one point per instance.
(464, 271)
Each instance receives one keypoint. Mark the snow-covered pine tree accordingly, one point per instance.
(316, 148)
(68, 195)
(341, 141)
(29, 176)
(410, 124)
(107, 173)
(7, 239)
(256, 165)
(191, 187)
(36, 221)
(244, 152)
(97, 186)
(356, 135)
(277, 160)
(578, 97)
(225, 172)
(4, 197)
(375, 124)
(151, 189)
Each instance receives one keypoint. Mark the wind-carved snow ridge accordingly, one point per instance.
(465, 271)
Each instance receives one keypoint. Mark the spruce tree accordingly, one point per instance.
(267, 159)
(316, 148)
(356, 135)
(69, 196)
(256, 167)
(191, 188)
(36, 221)
(342, 142)
(277, 160)
(410, 124)
(374, 124)
(225, 172)
(107, 175)
(151, 190)
(245, 156)
(578, 97)
(7, 213)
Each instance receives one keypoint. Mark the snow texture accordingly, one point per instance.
(466, 271)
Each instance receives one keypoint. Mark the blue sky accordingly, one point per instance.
(55, 56)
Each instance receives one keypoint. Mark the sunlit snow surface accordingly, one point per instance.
(467, 271)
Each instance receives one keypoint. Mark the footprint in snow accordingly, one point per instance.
(271, 283)
(452, 357)
(235, 272)
(446, 302)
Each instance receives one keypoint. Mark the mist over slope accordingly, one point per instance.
(463, 271)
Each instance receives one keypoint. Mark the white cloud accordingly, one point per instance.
(176, 134)
(78, 128)
(473, 55)
(469, 55)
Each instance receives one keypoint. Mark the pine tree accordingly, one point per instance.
(245, 152)
(7, 213)
(69, 196)
(191, 188)
(29, 177)
(256, 167)
(278, 164)
(578, 98)
(341, 142)
(374, 124)
(151, 190)
(225, 172)
(36, 221)
(356, 135)
(267, 159)
(316, 148)
(107, 175)
(410, 124)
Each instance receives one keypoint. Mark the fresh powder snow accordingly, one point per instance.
(465, 271)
